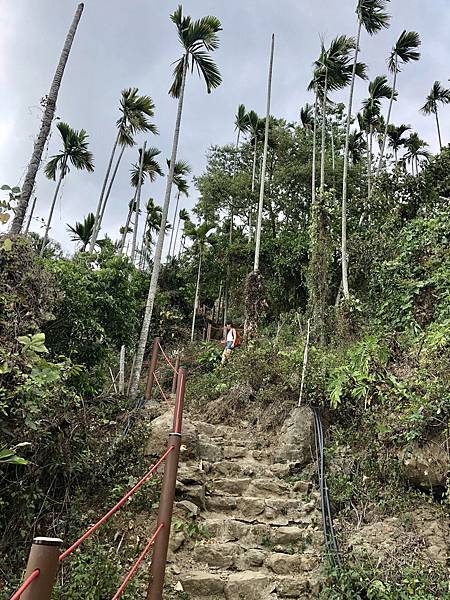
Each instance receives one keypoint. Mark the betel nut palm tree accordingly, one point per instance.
(82, 232)
(74, 151)
(372, 16)
(198, 39)
(438, 95)
(135, 113)
(404, 51)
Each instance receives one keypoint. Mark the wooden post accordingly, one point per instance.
(152, 367)
(208, 333)
(44, 556)
(159, 559)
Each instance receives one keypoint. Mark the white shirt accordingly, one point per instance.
(230, 336)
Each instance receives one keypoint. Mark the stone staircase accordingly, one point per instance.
(246, 525)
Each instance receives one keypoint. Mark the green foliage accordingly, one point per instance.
(364, 582)
(361, 374)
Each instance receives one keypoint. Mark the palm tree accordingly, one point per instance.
(372, 16)
(378, 89)
(75, 150)
(82, 232)
(47, 118)
(242, 125)
(183, 215)
(438, 94)
(198, 39)
(404, 51)
(415, 150)
(356, 146)
(147, 166)
(135, 111)
(199, 235)
(182, 169)
(307, 116)
(333, 71)
(152, 225)
(395, 138)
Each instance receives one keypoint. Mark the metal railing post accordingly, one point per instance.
(151, 369)
(175, 375)
(44, 556)
(159, 559)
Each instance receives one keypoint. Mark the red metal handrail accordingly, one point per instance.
(91, 530)
(167, 358)
(137, 563)
(26, 584)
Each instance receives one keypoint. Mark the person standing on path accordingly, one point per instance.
(230, 341)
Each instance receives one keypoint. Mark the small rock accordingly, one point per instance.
(201, 584)
(177, 539)
(248, 585)
(285, 564)
(251, 559)
(189, 507)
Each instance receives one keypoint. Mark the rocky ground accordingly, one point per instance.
(247, 521)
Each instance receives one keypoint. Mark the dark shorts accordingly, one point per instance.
(229, 346)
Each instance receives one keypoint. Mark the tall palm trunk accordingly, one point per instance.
(253, 188)
(369, 163)
(144, 245)
(127, 224)
(47, 118)
(176, 236)
(196, 294)
(173, 225)
(438, 129)
(62, 174)
(30, 216)
(159, 246)
(264, 162)
(138, 206)
(388, 119)
(230, 236)
(344, 253)
(324, 118)
(314, 158)
(106, 198)
(98, 210)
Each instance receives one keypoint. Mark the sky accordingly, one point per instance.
(133, 43)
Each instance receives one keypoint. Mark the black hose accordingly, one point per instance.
(329, 532)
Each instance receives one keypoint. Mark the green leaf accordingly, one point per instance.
(4, 217)
(7, 245)
(5, 187)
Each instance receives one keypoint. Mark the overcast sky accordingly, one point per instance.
(132, 43)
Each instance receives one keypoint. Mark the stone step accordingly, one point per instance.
(245, 468)
(258, 488)
(261, 535)
(233, 556)
(248, 585)
(274, 511)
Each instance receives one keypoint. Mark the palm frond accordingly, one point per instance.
(198, 39)
(208, 68)
(150, 166)
(405, 50)
(373, 15)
